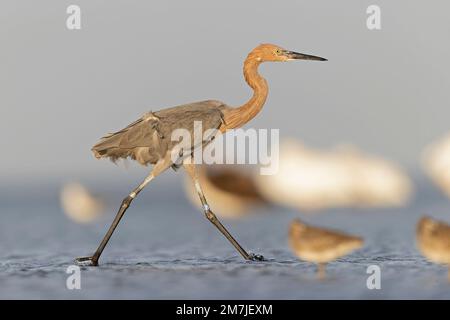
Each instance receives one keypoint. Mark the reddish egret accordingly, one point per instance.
(148, 139)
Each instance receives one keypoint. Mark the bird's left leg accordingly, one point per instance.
(159, 167)
(191, 170)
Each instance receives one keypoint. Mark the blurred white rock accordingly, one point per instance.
(79, 204)
(344, 177)
(436, 161)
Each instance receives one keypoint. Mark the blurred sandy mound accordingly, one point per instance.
(345, 177)
(436, 161)
(79, 204)
(230, 191)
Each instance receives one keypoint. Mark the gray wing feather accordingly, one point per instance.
(148, 139)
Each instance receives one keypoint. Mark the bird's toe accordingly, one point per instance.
(86, 261)
(256, 257)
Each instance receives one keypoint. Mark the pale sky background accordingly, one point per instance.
(386, 91)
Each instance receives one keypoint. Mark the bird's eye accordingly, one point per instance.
(278, 51)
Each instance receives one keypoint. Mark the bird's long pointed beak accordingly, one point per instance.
(292, 55)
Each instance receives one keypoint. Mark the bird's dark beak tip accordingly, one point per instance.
(301, 56)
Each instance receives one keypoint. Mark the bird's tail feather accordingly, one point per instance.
(108, 147)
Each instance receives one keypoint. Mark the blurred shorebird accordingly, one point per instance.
(436, 162)
(80, 204)
(148, 139)
(320, 245)
(311, 180)
(433, 240)
(231, 191)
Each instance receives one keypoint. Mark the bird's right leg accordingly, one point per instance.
(190, 168)
(93, 260)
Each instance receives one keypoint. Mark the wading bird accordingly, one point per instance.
(433, 240)
(320, 245)
(148, 139)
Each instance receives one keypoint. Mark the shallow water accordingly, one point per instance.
(166, 249)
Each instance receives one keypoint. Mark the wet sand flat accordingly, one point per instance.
(168, 250)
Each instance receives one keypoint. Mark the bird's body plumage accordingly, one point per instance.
(148, 139)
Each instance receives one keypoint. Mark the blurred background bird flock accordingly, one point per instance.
(310, 181)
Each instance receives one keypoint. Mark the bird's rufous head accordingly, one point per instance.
(271, 52)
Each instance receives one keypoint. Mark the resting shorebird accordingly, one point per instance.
(433, 240)
(320, 245)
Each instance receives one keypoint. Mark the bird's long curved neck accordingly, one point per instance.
(237, 117)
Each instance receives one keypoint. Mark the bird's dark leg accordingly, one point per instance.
(190, 168)
(93, 260)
